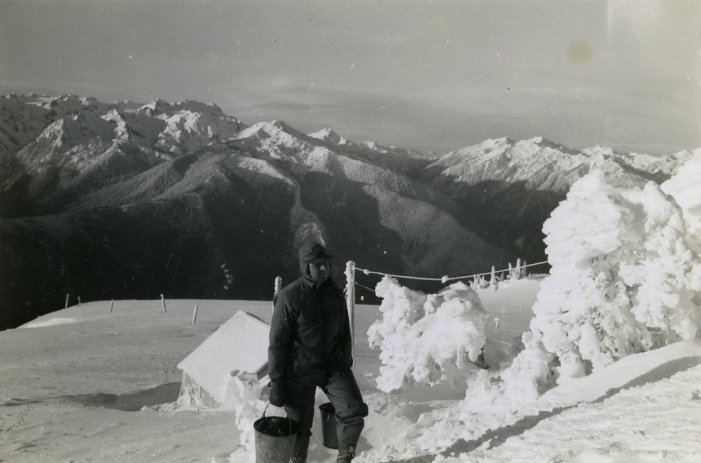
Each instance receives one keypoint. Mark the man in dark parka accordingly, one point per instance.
(310, 347)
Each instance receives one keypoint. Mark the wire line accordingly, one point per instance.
(444, 279)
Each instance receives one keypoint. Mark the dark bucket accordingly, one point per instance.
(328, 425)
(275, 438)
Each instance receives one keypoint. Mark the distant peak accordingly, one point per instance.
(330, 136)
(288, 129)
(506, 147)
(539, 143)
(279, 124)
(272, 126)
(267, 129)
(323, 134)
(153, 107)
(113, 115)
(502, 141)
(198, 106)
(490, 144)
(374, 146)
(601, 150)
(89, 101)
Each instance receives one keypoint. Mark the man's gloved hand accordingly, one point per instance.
(277, 394)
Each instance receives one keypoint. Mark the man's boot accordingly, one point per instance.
(345, 456)
(299, 453)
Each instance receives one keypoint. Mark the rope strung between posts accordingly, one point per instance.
(445, 278)
(365, 287)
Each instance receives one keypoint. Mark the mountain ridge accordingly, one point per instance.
(111, 200)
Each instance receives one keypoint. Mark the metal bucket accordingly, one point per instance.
(274, 438)
(329, 431)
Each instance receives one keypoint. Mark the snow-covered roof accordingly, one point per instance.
(240, 344)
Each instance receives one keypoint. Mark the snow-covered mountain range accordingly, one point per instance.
(112, 200)
(512, 186)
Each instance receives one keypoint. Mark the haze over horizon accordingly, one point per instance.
(430, 75)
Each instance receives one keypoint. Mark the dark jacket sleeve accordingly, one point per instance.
(346, 340)
(280, 339)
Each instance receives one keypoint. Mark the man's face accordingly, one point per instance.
(320, 270)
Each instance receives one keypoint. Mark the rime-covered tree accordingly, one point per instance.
(623, 278)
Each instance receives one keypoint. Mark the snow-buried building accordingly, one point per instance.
(239, 345)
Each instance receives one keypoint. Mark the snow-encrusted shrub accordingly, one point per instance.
(426, 339)
(623, 277)
(243, 392)
(524, 380)
(684, 188)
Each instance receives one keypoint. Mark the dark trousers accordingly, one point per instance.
(343, 392)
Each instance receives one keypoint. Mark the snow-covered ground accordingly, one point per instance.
(86, 384)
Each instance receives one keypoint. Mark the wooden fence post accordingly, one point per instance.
(67, 296)
(350, 297)
(278, 287)
(163, 303)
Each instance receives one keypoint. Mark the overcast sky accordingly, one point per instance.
(432, 75)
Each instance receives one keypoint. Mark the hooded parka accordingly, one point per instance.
(310, 332)
(310, 347)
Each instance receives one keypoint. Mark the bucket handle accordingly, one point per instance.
(289, 421)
